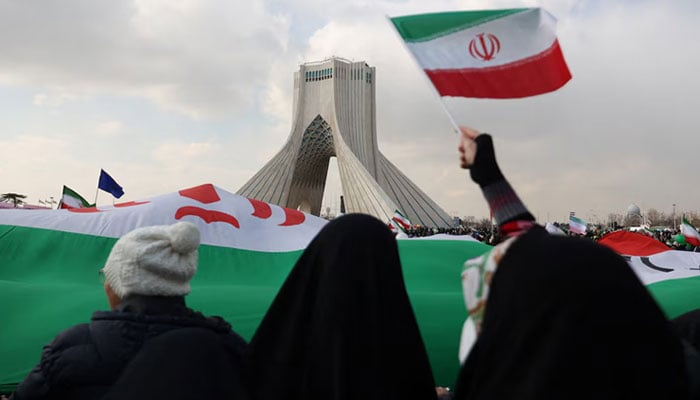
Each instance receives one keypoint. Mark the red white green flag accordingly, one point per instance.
(692, 237)
(71, 199)
(400, 221)
(577, 225)
(49, 263)
(509, 53)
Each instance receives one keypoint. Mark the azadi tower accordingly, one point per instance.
(335, 115)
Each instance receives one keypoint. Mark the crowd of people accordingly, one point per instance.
(557, 317)
(668, 237)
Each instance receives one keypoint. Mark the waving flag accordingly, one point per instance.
(109, 185)
(487, 54)
(49, 266)
(71, 199)
(577, 225)
(672, 276)
(400, 221)
(692, 237)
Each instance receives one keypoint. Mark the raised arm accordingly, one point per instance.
(478, 156)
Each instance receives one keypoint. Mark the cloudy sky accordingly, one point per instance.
(167, 94)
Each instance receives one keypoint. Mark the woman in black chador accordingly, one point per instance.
(564, 317)
(341, 326)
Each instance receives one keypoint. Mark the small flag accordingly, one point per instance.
(496, 54)
(692, 237)
(109, 185)
(401, 221)
(553, 229)
(71, 199)
(392, 227)
(577, 225)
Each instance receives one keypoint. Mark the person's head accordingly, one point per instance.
(342, 325)
(568, 318)
(152, 261)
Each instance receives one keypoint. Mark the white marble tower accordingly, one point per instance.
(335, 115)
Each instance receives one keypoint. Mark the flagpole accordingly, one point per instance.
(97, 191)
(425, 75)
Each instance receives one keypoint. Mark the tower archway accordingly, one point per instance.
(335, 115)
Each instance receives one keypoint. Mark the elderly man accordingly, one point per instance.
(147, 275)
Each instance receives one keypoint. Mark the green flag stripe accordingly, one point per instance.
(70, 192)
(577, 220)
(676, 296)
(47, 286)
(424, 27)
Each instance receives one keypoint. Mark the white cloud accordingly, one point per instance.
(183, 92)
(198, 58)
(109, 128)
(55, 99)
(182, 156)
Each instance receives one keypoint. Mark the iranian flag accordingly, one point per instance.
(692, 237)
(498, 54)
(49, 263)
(400, 221)
(71, 199)
(577, 225)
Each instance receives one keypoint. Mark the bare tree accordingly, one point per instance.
(614, 220)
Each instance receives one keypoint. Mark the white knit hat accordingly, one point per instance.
(154, 261)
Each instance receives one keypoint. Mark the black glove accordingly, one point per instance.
(485, 169)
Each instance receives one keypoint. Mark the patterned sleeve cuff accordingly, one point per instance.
(505, 204)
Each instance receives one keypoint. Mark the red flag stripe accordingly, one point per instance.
(541, 73)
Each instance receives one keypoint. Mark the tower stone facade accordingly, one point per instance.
(335, 116)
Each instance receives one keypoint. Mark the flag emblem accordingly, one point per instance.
(490, 54)
(484, 46)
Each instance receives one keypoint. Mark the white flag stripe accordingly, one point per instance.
(71, 201)
(254, 232)
(667, 265)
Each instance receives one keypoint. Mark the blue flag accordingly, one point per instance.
(108, 184)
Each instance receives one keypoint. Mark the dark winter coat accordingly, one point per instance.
(84, 361)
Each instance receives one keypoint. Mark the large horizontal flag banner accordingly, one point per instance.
(672, 276)
(49, 262)
(508, 53)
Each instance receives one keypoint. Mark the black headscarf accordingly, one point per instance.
(341, 326)
(568, 319)
(688, 326)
